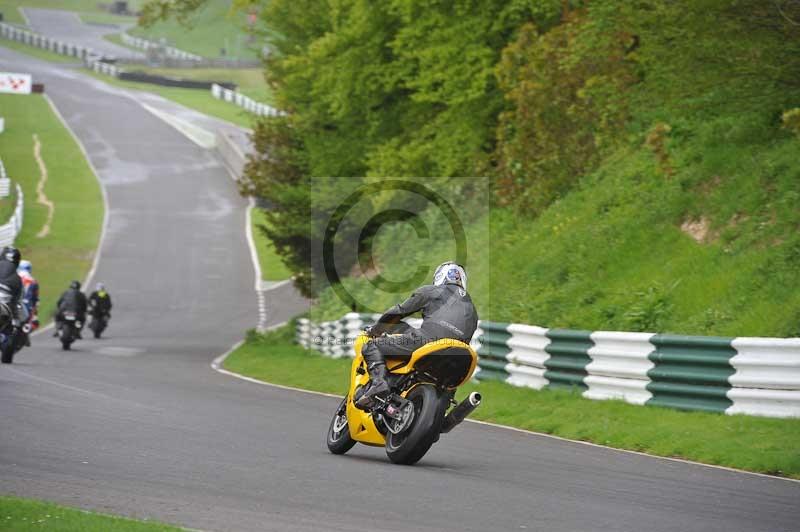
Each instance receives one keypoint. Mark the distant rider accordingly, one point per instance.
(447, 312)
(30, 292)
(73, 300)
(100, 302)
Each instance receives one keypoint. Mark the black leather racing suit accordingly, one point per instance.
(447, 312)
(72, 300)
(11, 282)
(10, 279)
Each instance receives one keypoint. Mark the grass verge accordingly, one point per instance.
(11, 12)
(67, 252)
(38, 53)
(744, 442)
(272, 269)
(200, 100)
(18, 514)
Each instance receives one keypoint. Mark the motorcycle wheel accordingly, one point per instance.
(66, 338)
(410, 445)
(8, 354)
(339, 440)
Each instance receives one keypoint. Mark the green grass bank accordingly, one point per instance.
(272, 269)
(744, 442)
(38, 53)
(22, 515)
(67, 250)
(212, 28)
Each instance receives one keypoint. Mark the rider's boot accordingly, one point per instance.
(377, 384)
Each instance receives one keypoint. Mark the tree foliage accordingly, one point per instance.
(533, 93)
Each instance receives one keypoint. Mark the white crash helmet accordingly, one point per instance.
(450, 273)
(25, 266)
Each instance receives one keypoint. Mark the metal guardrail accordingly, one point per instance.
(169, 51)
(84, 53)
(756, 376)
(245, 102)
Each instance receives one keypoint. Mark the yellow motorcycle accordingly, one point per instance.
(409, 419)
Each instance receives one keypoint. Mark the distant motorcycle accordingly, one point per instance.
(68, 329)
(99, 321)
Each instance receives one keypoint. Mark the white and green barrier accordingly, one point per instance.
(757, 376)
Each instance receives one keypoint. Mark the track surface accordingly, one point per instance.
(138, 424)
(68, 27)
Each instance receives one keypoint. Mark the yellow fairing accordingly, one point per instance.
(360, 423)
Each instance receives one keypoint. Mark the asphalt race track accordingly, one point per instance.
(139, 424)
(68, 27)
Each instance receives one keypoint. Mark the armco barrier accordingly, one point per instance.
(11, 32)
(169, 51)
(248, 104)
(756, 376)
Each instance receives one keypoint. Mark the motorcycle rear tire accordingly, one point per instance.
(339, 443)
(8, 354)
(66, 343)
(410, 445)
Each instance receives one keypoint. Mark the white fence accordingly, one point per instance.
(169, 51)
(10, 230)
(8, 31)
(5, 182)
(104, 68)
(245, 102)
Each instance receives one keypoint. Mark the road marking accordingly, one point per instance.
(115, 351)
(196, 134)
(41, 197)
(217, 366)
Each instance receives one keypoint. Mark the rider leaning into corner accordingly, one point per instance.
(447, 312)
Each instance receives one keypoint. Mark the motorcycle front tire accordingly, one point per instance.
(410, 445)
(339, 442)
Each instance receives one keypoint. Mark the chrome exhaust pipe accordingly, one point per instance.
(461, 411)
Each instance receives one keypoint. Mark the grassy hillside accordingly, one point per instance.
(711, 249)
(210, 29)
